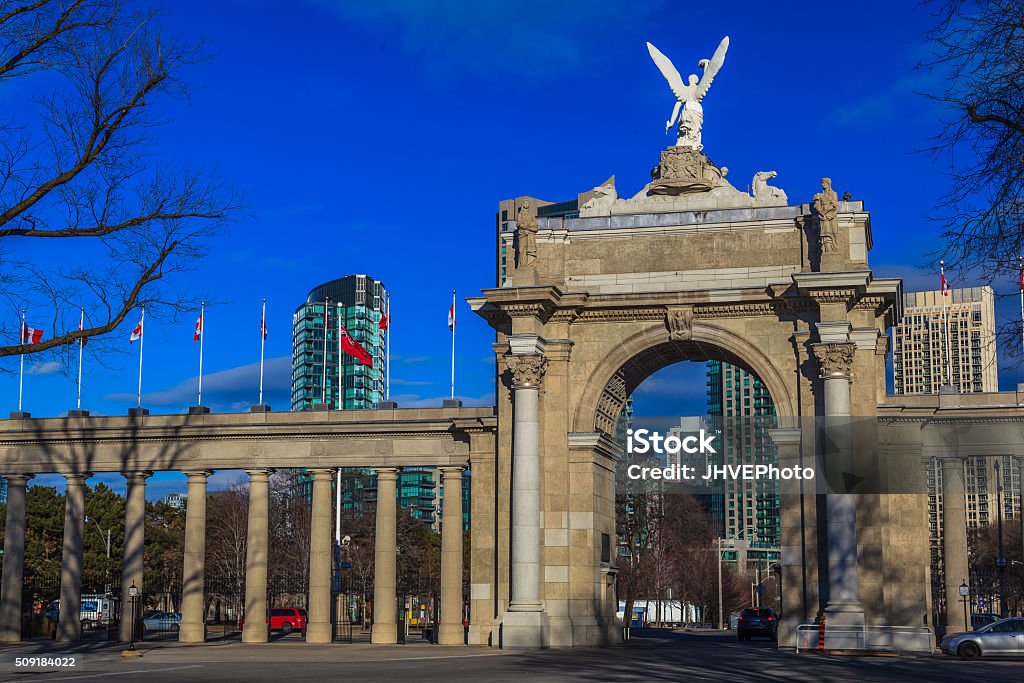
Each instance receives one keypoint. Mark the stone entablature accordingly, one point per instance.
(354, 438)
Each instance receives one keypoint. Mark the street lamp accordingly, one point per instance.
(133, 594)
(1001, 560)
(721, 614)
(100, 529)
(965, 591)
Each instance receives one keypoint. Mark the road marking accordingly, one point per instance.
(125, 673)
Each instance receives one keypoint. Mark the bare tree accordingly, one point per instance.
(75, 166)
(979, 48)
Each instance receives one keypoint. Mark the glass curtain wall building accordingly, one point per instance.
(739, 403)
(356, 302)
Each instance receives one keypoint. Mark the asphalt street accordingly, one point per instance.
(700, 656)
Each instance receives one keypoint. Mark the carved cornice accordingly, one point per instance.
(618, 315)
(835, 359)
(527, 371)
(564, 315)
(833, 296)
(877, 304)
(532, 309)
(751, 310)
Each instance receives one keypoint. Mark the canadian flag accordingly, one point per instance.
(1022, 279)
(451, 317)
(352, 348)
(30, 335)
(137, 332)
(945, 285)
(199, 328)
(385, 321)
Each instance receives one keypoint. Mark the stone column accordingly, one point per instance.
(256, 629)
(451, 630)
(319, 628)
(14, 559)
(794, 598)
(523, 625)
(134, 543)
(69, 627)
(954, 540)
(844, 606)
(193, 575)
(385, 616)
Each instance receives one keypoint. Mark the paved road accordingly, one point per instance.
(669, 657)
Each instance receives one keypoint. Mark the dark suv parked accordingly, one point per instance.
(757, 621)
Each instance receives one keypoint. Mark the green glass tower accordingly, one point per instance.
(321, 371)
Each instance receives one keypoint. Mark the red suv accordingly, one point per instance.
(284, 619)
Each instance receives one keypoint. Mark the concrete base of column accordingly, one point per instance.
(844, 614)
(451, 634)
(384, 633)
(523, 631)
(192, 633)
(319, 634)
(255, 632)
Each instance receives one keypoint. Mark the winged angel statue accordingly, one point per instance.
(689, 95)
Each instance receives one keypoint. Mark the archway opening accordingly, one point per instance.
(674, 534)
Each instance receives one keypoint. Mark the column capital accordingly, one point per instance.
(322, 472)
(386, 472)
(835, 359)
(452, 470)
(197, 474)
(260, 472)
(950, 460)
(137, 474)
(76, 478)
(527, 370)
(19, 479)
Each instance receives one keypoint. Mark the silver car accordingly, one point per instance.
(1004, 638)
(162, 621)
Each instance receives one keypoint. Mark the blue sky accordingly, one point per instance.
(377, 137)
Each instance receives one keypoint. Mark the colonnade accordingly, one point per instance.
(256, 630)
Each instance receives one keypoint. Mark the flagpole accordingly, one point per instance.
(263, 341)
(945, 324)
(1020, 278)
(202, 338)
(341, 359)
(21, 375)
(387, 351)
(454, 322)
(81, 347)
(142, 341)
(323, 387)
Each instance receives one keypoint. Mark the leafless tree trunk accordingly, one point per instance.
(77, 168)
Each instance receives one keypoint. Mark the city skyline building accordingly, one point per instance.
(321, 372)
(933, 330)
(356, 302)
(742, 410)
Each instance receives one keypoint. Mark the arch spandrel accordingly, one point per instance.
(626, 364)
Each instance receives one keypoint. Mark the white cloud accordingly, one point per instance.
(234, 386)
(47, 368)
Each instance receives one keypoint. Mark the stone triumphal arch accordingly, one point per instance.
(689, 269)
(596, 298)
